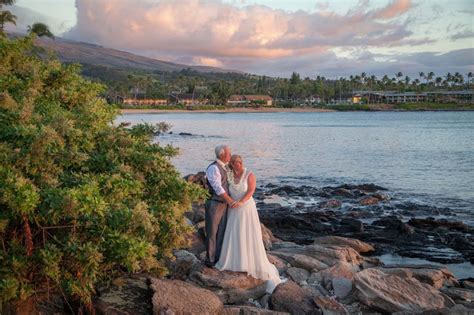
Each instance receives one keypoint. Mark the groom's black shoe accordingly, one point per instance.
(209, 264)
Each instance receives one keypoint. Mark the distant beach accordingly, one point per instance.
(230, 110)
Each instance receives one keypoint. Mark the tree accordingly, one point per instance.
(399, 75)
(422, 75)
(429, 77)
(6, 17)
(40, 29)
(295, 78)
(81, 198)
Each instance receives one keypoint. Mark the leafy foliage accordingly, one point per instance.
(40, 29)
(81, 199)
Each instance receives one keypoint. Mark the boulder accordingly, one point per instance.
(357, 245)
(231, 287)
(298, 275)
(351, 225)
(285, 245)
(330, 306)
(196, 243)
(342, 287)
(277, 262)
(467, 284)
(339, 278)
(287, 254)
(267, 236)
(391, 293)
(436, 276)
(369, 200)
(182, 265)
(196, 214)
(308, 263)
(125, 295)
(404, 273)
(169, 296)
(249, 310)
(291, 298)
(331, 255)
(199, 179)
(343, 193)
(459, 294)
(332, 203)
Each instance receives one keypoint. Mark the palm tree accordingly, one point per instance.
(422, 75)
(469, 77)
(459, 78)
(407, 80)
(40, 29)
(429, 77)
(6, 17)
(6, 2)
(399, 75)
(449, 78)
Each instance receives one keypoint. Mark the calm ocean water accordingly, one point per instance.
(425, 156)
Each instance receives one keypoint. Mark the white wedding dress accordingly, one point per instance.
(242, 248)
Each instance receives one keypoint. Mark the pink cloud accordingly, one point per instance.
(394, 9)
(211, 32)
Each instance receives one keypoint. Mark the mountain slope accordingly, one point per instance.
(85, 53)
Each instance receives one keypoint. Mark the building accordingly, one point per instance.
(391, 97)
(147, 102)
(189, 99)
(356, 98)
(250, 100)
(237, 100)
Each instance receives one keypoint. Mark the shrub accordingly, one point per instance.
(81, 199)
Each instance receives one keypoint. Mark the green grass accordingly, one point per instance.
(350, 107)
(434, 106)
(207, 107)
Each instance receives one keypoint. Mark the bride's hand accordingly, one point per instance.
(237, 204)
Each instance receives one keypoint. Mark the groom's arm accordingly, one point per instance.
(214, 177)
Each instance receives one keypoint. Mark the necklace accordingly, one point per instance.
(238, 177)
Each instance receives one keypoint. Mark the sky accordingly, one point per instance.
(274, 37)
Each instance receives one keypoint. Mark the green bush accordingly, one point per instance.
(81, 199)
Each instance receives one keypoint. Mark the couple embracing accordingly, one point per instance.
(233, 233)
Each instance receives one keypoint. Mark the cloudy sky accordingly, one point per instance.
(274, 37)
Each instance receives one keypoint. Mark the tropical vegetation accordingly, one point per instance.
(82, 199)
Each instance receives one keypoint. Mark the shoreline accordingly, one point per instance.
(272, 110)
(230, 110)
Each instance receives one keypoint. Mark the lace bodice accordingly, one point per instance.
(237, 191)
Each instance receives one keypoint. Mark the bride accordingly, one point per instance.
(242, 248)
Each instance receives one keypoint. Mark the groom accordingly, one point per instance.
(216, 206)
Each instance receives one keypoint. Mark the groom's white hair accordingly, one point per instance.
(220, 150)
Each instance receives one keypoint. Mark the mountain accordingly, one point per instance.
(85, 53)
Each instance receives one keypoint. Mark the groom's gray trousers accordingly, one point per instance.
(216, 220)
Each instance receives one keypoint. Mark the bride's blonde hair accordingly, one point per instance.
(233, 158)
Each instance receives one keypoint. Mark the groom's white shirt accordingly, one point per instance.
(214, 177)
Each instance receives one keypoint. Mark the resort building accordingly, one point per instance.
(250, 100)
(391, 97)
(189, 99)
(148, 102)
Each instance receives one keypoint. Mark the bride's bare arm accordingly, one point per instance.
(251, 184)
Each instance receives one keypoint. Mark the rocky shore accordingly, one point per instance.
(327, 254)
(327, 244)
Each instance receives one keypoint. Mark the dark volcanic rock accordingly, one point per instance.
(364, 187)
(127, 295)
(291, 298)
